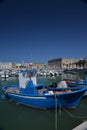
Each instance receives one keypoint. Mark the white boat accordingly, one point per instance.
(4, 74)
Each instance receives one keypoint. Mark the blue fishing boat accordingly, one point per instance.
(29, 93)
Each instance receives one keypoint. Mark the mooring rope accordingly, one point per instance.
(70, 114)
(55, 112)
(73, 116)
(61, 107)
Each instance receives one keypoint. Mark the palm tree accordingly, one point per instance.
(81, 63)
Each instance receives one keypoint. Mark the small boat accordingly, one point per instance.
(75, 83)
(29, 93)
(4, 74)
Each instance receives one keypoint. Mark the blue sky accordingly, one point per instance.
(40, 30)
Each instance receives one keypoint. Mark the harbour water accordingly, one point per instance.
(15, 116)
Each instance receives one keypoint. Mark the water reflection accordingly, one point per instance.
(48, 80)
(74, 76)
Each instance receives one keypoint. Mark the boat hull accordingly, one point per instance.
(68, 100)
(71, 84)
(34, 101)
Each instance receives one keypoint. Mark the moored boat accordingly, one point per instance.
(75, 83)
(29, 93)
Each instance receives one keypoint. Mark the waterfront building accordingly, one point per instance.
(62, 63)
(85, 62)
(7, 65)
(38, 65)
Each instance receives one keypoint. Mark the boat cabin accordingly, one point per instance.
(26, 76)
(28, 82)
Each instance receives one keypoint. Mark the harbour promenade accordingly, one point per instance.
(82, 126)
